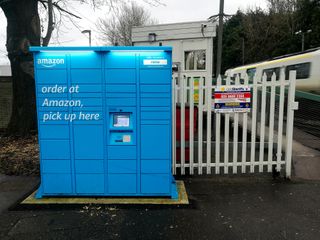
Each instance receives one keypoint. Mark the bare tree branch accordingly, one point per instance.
(56, 4)
(117, 30)
(50, 28)
(65, 11)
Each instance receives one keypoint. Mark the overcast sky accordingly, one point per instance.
(171, 11)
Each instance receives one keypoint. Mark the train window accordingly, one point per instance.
(269, 72)
(234, 76)
(251, 72)
(195, 60)
(303, 70)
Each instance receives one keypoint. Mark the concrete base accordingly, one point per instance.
(182, 198)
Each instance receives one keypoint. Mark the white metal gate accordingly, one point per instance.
(259, 141)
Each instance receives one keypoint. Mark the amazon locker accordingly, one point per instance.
(104, 121)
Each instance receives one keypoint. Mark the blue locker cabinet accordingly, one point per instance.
(104, 118)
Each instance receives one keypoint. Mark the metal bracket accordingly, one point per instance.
(295, 106)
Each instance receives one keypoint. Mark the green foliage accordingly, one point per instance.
(232, 40)
(308, 18)
(272, 32)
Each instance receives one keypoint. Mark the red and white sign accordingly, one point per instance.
(229, 99)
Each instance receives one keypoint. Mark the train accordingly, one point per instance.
(307, 65)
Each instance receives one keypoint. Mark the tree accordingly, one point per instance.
(281, 6)
(24, 30)
(232, 41)
(308, 18)
(272, 32)
(117, 30)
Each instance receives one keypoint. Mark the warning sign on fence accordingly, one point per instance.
(230, 99)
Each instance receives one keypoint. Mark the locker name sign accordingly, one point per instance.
(232, 99)
(155, 62)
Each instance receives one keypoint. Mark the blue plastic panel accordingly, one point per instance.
(56, 166)
(114, 59)
(85, 89)
(154, 95)
(155, 102)
(86, 60)
(54, 131)
(147, 76)
(43, 107)
(90, 183)
(155, 183)
(122, 101)
(45, 76)
(155, 89)
(87, 115)
(120, 76)
(155, 121)
(156, 115)
(45, 112)
(155, 142)
(82, 151)
(117, 88)
(122, 166)
(89, 102)
(55, 149)
(56, 183)
(122, 183)
(122, 152)
(155, 166)
(92, 76)
(59, 88)
(89, 166)
(85, 149)
(155, 109)
(122, 95)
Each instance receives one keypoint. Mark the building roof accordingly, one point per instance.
(175, 31)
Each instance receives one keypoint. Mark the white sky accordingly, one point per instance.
(173, 11)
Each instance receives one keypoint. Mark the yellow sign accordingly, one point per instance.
(196, 90)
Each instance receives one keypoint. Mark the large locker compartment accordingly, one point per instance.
(104, 120)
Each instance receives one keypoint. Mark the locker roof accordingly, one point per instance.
(102, 49)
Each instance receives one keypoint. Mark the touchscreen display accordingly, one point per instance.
(122, 120)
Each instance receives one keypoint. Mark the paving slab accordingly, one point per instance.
(306, 162)
(12, 188)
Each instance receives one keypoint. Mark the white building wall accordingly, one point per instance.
(181, 37)
(175, 31)
(5, 71)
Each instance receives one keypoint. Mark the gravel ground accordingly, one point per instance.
(19, 156)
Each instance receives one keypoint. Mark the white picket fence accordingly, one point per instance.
(223, 143)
